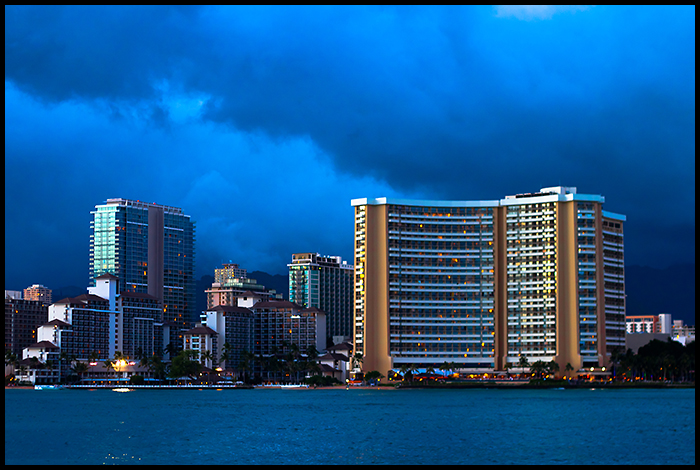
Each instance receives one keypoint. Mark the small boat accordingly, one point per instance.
(48, 387)
(121, 390)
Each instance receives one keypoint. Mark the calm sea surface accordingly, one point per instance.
(341, 426)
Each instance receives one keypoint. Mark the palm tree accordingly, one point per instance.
(523, 363)
(50, 364)
(453, 367)
(538, 367)
(226, 355)
(206, 356)
(184, 364)
(444, 367)
(407, 371)
(139, 355)
(171, 350)
(568, 368)
(246, 363)
(684, 366)
(224, 358)
(35, 363)
(272, 364)
(290, 364)
(109, 364)
(157, 365)
(10, 357)
(373, 375)
(80, 368)
(65, 356)
(22, 369)
(356, 360)
(314, 368)
(312, 352)
(144, 361)
(667, 362)
(11, 360)
(553, 367)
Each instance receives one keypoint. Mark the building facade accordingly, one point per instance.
(228, 272)
(661, 323)
(80, 326)
(104, 322)
(150, 249)
(484, 283)
(279, 322)
(684, 334)
(22, 318)
(14, 294)
(234, 326)
(323, 282)
(202, 340)
(38, 292)
(232, 286)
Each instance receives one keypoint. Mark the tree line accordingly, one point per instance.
(658, 361)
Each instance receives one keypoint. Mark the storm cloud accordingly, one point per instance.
(263, 122)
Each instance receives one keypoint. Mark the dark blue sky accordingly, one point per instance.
(262, 123)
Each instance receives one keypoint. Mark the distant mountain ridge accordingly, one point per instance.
(67, 292)
(278, 282)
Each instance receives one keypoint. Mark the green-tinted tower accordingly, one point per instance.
(324, 282)
(150, 248)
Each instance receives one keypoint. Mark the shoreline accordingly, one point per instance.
(457, 386)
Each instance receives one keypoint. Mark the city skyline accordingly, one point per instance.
(265, 122)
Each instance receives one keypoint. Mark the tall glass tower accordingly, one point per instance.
(150, 248)
(323, 282)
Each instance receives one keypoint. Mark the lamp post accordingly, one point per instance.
(347, 384)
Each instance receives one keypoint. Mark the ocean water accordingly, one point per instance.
(582, 426)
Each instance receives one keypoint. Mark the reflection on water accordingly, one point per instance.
(348, 427)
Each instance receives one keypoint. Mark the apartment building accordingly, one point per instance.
(323, 282)
(228, 272)
(104, 321)
(234, 326)
(38, 292)
(484, 283)
(661, 323)
(150, 248)
(22, 318)
(204, 341)
(232, 286)
(279, 322)
(80, 326)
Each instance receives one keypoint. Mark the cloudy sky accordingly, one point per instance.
(262, 123)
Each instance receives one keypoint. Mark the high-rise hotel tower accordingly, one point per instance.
(150, 249)
(324, 282)
(482, 283)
